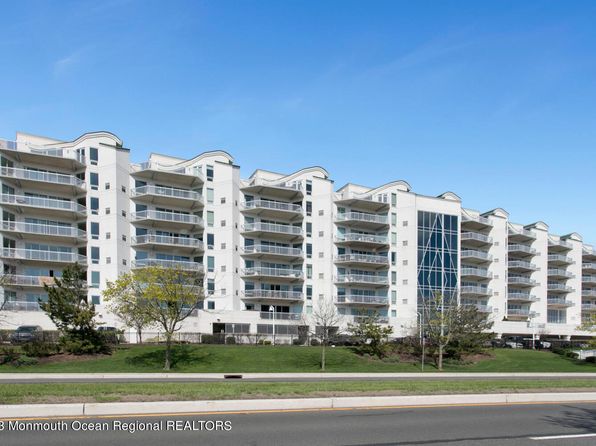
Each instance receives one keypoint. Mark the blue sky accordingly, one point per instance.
(495, 101)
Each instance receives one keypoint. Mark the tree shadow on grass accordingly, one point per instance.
(181, 357)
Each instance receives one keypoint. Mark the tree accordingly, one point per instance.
(371, 335)
(74, 317)
(326, 321)
(448, 324)
(165, 296)
(130, 311)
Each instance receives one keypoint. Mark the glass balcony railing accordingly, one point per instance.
(559, 301)
(475, 290)
(475, 236)
(54, 152)
(39, 202)
(588, 307)
(362, 217)
(183, 265)
(32, 281)
(274, 294)
(168, 216)
(178, 170)
(476, 272)
(273, 205)
(363, 238)
(273, 228)
(362, 278)
(521, 281)
(20, 305)
(519, 296)
(478, 219)
(525, 232)
(48, 230)
(279, 316)
(589, 265)
(554, 286)
(588, 279)
(188, 242)
(555, 272)
(42, 256)
(170, 192)
(475, 254)
(521, 264)
(362, 258)
(273, 250)
(362, 299)
(589, 293)
(560, 259)
(519, 312)
(516, 247)
(273, 272)
(41, 176)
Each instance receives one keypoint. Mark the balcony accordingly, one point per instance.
(589, 307)
(589, 266)
(364, 318)
(44, 206)
(521, 235)
(164, 241)
(357, 299)
(475, 221)
(274, 295)
(364, 240)
(35, 255)
(363, 279)
(273, 251)
(589, 293)
(25, 230)
(589, 280)
(519, 313)
(273, 209)
(479, 307)
(521, 265)
(475, 239)
(273, 230)
(475, 290)
(167, 196)
(28, 281)
(520, 249)
(279, 316)
(289, 190)
(556, 273)
(477, 273)
(559, 302)
(49, 181)
(521, 281)
(289, 274)
(475, 256)
(56, 157)
(183, 265)
(558, 259)
(362, 260)
(559, 245)
(556, 287)
(366, 202)
(519, 296)
(20, 305)
(362, 220)
(165, 219)
(176, 174)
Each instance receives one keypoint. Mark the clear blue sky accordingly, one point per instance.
(495, 101)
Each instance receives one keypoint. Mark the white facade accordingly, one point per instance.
(275, 241)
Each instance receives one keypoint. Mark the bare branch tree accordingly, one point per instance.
(326, 321)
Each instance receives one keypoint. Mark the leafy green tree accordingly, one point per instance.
(164, 296)
(74, 317)
(371, 336)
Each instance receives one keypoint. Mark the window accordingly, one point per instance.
(393, 297)
(404, 282)
(95, 278)
(210, 218)
(209, 173)
(309, 271)
(210, 264)
(124, 262)
(210, 241)
(210, 286)
(394, 200)
(404, 301)
(223, 246)
(223, 291)
(94, 205)
(223, 268)
(123, 237)
(124, 214)
(108, 211)
(308, 187)
(404, 243)
(95, 300)
(308, 229)
(394, 238)
(393, 278)
(107, 186)
(393, 258)
(222, 200)
(309, 250)
(321, 254)
(393, 313)
(211, 305)
(404, 262)
(321, 233)
(108, 260)
(108, 235)
(94, 180)
(123, 188)
(223, 223)
(393, 219)
(93, 155)
(309, 292)
(321, 212)
(94, 231)
(321, 275)
(209, 196)
(95, 254)
(404, 223)
(309, 208)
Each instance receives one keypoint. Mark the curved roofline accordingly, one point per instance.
(573, 236)
(378, 188)
(499, 212)
(449, 195)
(96, 134)
(188, 162)
(318, 169)
(538, 225)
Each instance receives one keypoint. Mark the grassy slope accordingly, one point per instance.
(216, 358)
(106, 392)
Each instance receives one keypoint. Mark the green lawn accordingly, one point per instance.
(108, 392)
(232, 359)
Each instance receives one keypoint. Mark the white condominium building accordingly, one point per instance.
(274, 242)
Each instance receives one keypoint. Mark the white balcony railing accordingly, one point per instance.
(41, 176)
(280, 316)
(274, 294)
(475, 236)
(362, 299)
(514, 280)
(362, 258)
(479, 219)
(559, 301)
(525, 232)
(362, 278)
(39, 202)
(33, 281)
(475, 289)
(20, 305)
(555, 286)
(170, 192)
(521, 264)
(291, 185)
(146, 239)
(54, 152)
(273, 250)
(589, 293)
(362, 217)
(588, 279)
(365, 238)
(273, 205)
(42, 256)
(474, 253)
(589, 265)
(168, 216)
(518, 312)
(560, 258)
(273, 228)
(273, 272)
(183, 265)
(512, 295)
(178, 170)
(48, 230)
(476, 272)
(560, 273)
(516, 247)
(589, 307)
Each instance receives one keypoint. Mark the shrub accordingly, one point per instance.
(297, 341)
(266, 342)
(78, 346)
(24, 360)
(8, 355)
(40, 349)
(207, 339)
(572, 355)
(591, 359)
(5, 336)
(230, 340)
(315, 342)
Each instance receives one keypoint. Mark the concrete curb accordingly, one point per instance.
(248, 376)
(222, 406)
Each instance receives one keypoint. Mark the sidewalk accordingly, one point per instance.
(295, 404)
(7, 377)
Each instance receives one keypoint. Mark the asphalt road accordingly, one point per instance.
(453, 426)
